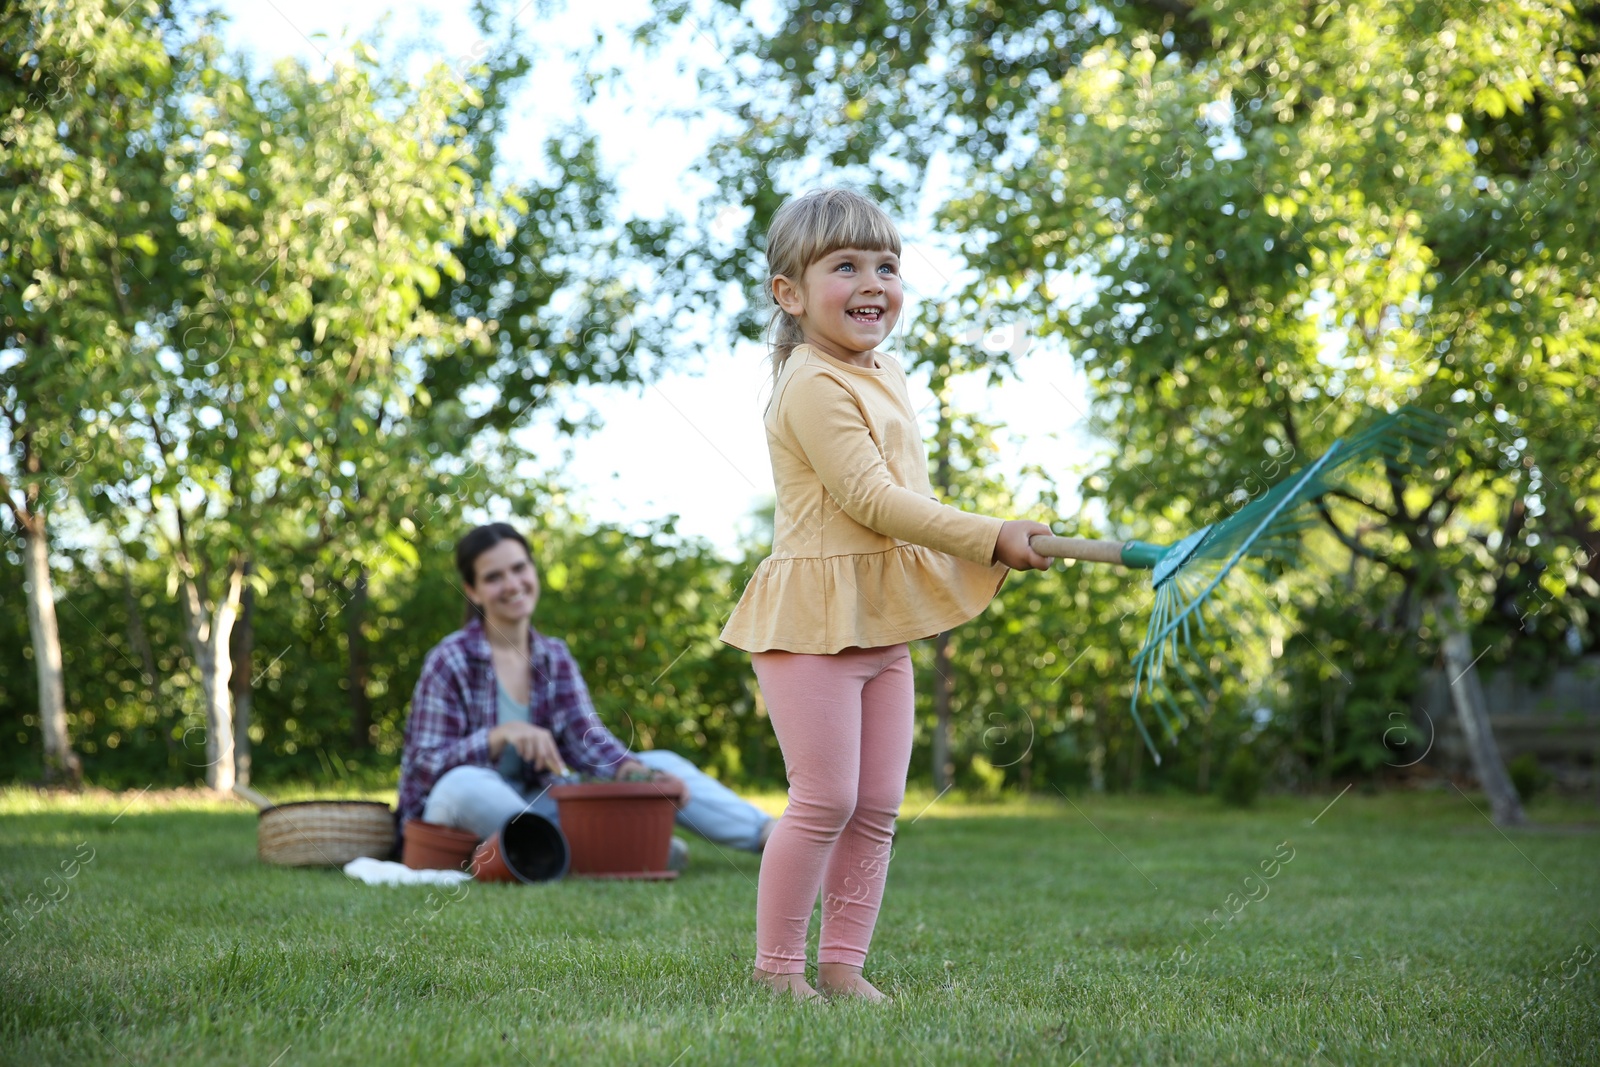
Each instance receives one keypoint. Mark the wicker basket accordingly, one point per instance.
(324, 833)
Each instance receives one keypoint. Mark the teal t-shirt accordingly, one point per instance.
(510, 711)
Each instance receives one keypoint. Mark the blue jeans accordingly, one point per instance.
(480, 800)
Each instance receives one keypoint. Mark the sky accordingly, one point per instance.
(689, 444)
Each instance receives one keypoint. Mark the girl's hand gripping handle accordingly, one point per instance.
(1014, 547)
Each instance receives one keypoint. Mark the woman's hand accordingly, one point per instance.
(534, 744)
(1013, 547)
(633, 766)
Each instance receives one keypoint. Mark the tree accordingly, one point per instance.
(1388, 174)
(331, 299)
(315, 217)
(578, 292)
(82, 211)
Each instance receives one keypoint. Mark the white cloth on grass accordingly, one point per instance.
(386, 872)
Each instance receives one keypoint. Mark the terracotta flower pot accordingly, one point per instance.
(528, 848)
(619, 829)
(431, 847)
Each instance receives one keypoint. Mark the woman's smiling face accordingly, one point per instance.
(507, 585)
(847, 302)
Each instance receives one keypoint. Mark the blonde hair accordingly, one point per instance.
(805, 229)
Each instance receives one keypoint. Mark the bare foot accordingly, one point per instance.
(838, 980)
(794, 985)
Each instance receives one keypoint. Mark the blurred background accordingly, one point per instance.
(295, 294)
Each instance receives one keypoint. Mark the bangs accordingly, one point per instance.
(823, 221)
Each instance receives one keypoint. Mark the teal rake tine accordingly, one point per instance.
(1188, 681)
(1158, 611)
(1199, 620)
(1139, 685)
(1240, 551)
(1166, 708)
(1266, 539)
(1171, 598)
(1211, 677)
(1142, 659)
(1178, 717)
(1151, 668)
(1199, 624)
(1156, 671)
(1143, 733)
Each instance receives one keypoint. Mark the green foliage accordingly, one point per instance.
(83, 212)
(640, 609)
(1241, 778)
(1529, 778)
(1347, 691)
(1235, 206)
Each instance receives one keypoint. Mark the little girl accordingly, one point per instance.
(863, 560)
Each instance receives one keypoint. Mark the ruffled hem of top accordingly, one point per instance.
(822, 605)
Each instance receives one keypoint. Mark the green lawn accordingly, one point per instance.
(1405, 929)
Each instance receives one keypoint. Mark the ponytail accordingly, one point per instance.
(783, 336)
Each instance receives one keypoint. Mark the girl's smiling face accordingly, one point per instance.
(847, 302)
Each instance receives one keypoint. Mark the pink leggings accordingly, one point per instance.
(844, 725)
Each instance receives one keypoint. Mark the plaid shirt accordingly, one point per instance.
(456, 705)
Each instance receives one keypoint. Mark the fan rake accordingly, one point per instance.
(1193, 597)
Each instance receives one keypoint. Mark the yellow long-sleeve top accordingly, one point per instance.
(862, 553)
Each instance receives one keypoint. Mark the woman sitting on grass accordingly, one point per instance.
(501, 707)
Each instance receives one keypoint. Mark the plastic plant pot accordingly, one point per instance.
(529, 848)
(432, 847)
(619, 829)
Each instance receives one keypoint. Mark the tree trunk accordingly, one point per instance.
(355, 617)
(139, 638)
(209, 641)
(943, 769)
(61, 764)
(242, 683)
(1466, 693)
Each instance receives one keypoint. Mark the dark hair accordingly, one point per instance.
(478, 541)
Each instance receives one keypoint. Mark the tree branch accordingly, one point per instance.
(1352, 498)
(1355, 546)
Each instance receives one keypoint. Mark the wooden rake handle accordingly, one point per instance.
(1082, 548)
(1140, 554)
